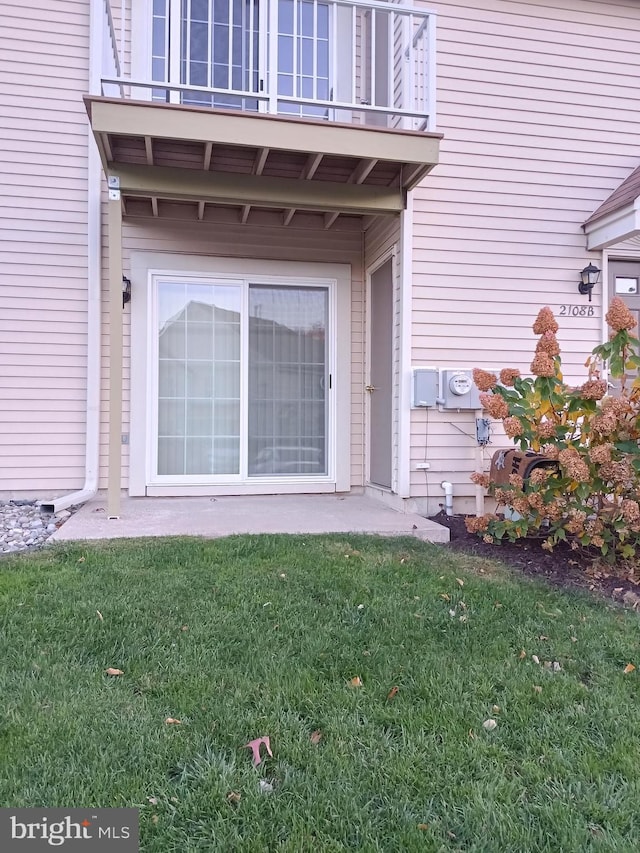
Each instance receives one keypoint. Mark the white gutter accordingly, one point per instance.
(94, 273)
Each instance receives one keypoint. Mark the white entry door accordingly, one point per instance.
(242, 381)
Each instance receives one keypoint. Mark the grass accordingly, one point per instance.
(252, 636)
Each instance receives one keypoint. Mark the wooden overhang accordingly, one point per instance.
(201, 156)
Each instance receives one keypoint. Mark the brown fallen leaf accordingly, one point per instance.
(111, 670)
(100, 616)
(423, 826)
(233, 798)
(172, 721)
(628, 668)
(153, 800)
(489, 725)
(537, 688)
(522, 655)
(81, 559)
(445, 596)
(451, 834)
(392, 693)
(495, 709)
(315, 737)
(184, 628)
(459, 581)
(155, 818)
(356, 681)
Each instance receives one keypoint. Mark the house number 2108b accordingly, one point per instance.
(577, 311)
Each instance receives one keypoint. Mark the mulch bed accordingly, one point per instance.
(562, 567)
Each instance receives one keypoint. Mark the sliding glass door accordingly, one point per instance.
(225, 45)
(242, 380)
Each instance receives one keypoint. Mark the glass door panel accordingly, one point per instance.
(287, 409)
(223, 44)
(199, 378)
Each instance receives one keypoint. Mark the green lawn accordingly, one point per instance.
(251, 636)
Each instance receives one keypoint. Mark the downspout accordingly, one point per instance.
(94, 272)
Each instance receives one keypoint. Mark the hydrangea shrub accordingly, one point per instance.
(591, 497)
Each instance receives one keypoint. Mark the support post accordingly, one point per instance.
(115, 348)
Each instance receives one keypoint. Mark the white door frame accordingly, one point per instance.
(144, 265)
(380, 261)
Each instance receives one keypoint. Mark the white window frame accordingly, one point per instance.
(144, 372)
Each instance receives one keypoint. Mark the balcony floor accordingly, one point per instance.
(198, 157)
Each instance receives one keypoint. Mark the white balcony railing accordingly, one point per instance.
(359, 61)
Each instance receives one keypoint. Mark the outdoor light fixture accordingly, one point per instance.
(126, 290)
(588, 279)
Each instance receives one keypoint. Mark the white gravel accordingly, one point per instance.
(23, 525)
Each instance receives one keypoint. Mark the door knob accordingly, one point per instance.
(370, 388)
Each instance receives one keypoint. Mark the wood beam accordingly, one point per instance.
(311, 166)
(201, 206)
(288, 216)
(261, 159)
(232, 188)
(329, 219)
(245, 213)
(361, 172)
(206, 160)
(154, 206)
(148, 147)
(105, 145)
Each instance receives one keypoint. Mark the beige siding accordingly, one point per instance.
(271, 242)
(43, 238)
(538, 105)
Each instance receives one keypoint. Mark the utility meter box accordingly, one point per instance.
(425, 387)
(459, 390)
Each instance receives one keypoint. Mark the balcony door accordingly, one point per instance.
(222, 51)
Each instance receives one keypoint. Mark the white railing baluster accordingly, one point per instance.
(354, 55)
(272, 74)
(315, 49)
(175, 25)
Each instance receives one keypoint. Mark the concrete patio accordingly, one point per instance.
(223, 516)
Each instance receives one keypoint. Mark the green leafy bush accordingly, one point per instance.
(591, 496)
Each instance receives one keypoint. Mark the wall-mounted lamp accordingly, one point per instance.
(588, 279)
(126, 290)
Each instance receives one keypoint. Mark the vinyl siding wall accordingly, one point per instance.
(233, 240)
(538, 103)
(44, 70)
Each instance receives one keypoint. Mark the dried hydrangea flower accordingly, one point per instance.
(513, 427)
(480, 479)
(548, 343)
(484, 380)
(574, 466)
(600, 454)
(594, 389)
(495, 405)
(516, 480)
(630, 510)
(508, 376)
(478, 524)
(546, 429)
(542, 365)
(618, 316)
(545, 322)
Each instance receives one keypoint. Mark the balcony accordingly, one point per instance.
(294, 105)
